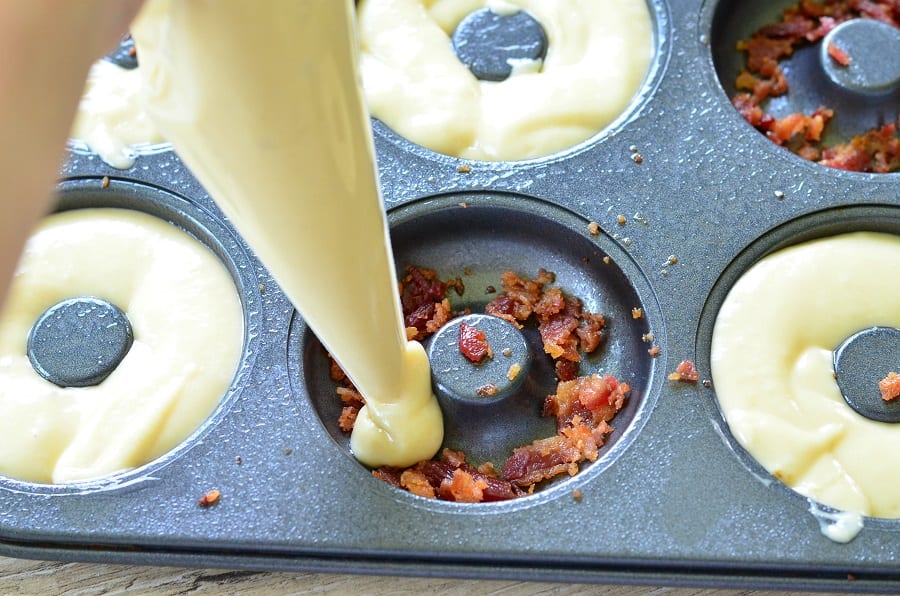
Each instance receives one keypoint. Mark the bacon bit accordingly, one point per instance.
(464, 487)
(417, 483)
(105, 182)
(513, 371)
(488, 390)
(594, 228)
(637, 313)
(210, 498)
(890, 387)
(347, 420)
(566, 370)
(473, 343)
(464, 169)
(653, 351)
(685, 371)
(839, 55)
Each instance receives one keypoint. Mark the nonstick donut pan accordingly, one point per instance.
(685, 195)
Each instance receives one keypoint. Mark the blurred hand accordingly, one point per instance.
(47, 48)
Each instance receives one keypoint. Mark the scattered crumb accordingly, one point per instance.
(671, 260)
(664, 272)
(576, 494)
(132, 51)
(707, 383)
(890, 387)
(639, 217)
(210, 498)
(637, 158)
(288, 451)
(594, 228)
(487, 390)
(626, 241)
(779, 195)
(490, 290)
(648, 337)
(507, 352)
(653, 351)
(105, 182)
(464, 168)
(467, 271)
(262, 288)
(637, 313)
(685, 371)
(463, 204)
(621, 220)
(514, 371)
(607, 260)
(238, 460)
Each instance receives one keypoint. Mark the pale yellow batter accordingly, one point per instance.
(599, 52)
(188, 337)
(111, 119)
(265, 109)
(772, 363)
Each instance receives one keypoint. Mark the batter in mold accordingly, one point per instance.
(773, 366)
(264, 107)
(111, 118)
(598, 53)
(184, 354)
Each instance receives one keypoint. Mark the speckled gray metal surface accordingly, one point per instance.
(672, 498)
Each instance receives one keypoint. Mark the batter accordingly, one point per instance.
(184, 356)
(111, 119)
(772, 363)
(265, 109)
(598, 54)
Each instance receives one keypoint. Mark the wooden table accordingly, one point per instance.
(48, 578)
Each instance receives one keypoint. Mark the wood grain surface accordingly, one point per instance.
(40, 577)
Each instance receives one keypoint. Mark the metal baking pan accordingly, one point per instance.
(672, 498)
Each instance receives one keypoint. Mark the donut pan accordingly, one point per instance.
(672, 498)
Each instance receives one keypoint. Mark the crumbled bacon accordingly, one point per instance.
(563, 325)
(685, 371)
(453, 479)
(582, 405)
(875, 151)
(839, 55)
(890, 387)
(592, 399)
(420, 287)
(210, 498)
(417, 483)
(808, 22)
(473, 343)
